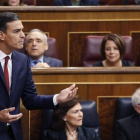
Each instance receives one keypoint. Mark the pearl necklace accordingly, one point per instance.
(72, 135)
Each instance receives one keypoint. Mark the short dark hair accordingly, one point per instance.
(58, 115)
(6, 17)
(118, 40)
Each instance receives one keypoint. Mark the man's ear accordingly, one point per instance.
(46, 46)
(137, 109)
(2, 36)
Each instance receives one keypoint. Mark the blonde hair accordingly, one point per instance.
(136, 97)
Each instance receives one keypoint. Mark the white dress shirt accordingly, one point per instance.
(2, 61)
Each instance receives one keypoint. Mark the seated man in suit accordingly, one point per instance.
(36, 45)
(129, 128)
(76, 2)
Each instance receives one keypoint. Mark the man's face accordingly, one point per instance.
(14, 36)
(36, 45)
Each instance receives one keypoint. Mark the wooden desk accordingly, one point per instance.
(70, 25)
(103, 85)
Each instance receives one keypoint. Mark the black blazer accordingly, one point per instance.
(128, 128)
(83, 134)
(124, 64)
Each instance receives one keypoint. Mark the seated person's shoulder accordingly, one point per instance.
(53, 62)
(89, 132)
(127, 63)
(128, 119)
(52, 134)
(98, 64)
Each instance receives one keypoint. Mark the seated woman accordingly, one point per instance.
(76, 2)
(113, 49)
(67, 123)
(13, 3)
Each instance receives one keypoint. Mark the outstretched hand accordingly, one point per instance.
(6, 117)
(67, 94)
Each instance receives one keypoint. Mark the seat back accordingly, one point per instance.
(91, 51)
(44, 2)
(29, 2)
(52, 48)
(129, 2)
(90, 118)
(103, 2)
(124, 108)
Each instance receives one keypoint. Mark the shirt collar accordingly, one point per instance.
(3, 55)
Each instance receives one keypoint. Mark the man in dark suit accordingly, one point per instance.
(129, 128)
(16, 80)
(36, 45)
(76, 2)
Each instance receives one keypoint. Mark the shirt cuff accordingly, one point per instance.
(54, 99)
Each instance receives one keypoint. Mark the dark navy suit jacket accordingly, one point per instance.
(128, 128)
(52, 62)
(22, 86)
(83, 2)
(83, 134)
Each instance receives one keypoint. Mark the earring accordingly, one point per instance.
(65, 120)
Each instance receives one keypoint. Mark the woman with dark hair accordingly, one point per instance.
(113, 49)
(67, 123)
(13, 3)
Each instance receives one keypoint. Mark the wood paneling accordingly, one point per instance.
(61, 21)
(92, 83)
(106, 117)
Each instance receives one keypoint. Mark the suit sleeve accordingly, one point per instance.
(120, 132)
(30, 98)
(60, 64)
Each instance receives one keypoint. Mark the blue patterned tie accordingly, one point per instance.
(36, 61)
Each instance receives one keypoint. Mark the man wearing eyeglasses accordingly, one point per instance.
(129, 128)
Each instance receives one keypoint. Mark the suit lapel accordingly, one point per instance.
(15, 71)
(2, 77)
(81, 135)
(47, 60)
(136, 127)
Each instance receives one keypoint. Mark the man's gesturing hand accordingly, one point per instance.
(67, 94)
(6, 117)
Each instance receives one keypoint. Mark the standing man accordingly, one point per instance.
(36, 45)
(16, 80)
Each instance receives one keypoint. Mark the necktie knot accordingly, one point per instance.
(36, 61)
(6, 60)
